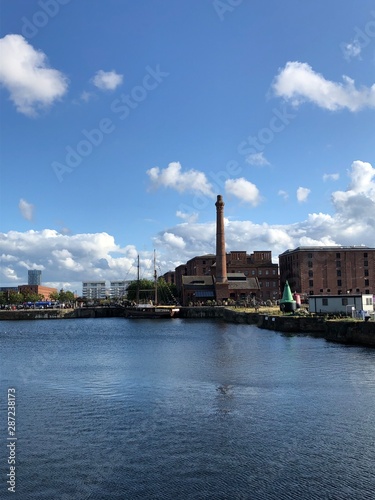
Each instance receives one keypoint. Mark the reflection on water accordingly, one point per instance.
(116, 409)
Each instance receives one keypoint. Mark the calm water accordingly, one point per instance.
(122, 409)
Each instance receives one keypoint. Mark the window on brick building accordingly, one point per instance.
(338, 272)
(365, 255)
(367, 282)
(338, 264)
(309, 255)
(311, 274)
(338, 256)
(365, 263)
(339, 283)
(311, 283)
(366, 272)
(310, 264)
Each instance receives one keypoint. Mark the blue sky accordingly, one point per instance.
(121, 121)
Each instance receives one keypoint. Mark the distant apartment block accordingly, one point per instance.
(118, 288)
(34, 277)
(94, 289)
(329, 270)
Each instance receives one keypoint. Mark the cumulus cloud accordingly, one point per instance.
(331, 177)
(358, 202)
(257, 159)
(172, 240)
(107, 80)
(297, 82)
(244, 190)
(25, 73)
(27, 209)
(302, 194)
(65, 258)
(175, 178)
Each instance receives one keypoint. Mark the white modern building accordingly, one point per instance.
(347, 304)
(94, 289)
(117, 288)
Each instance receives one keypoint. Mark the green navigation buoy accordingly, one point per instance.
(287, 304)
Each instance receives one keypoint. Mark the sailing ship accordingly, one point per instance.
(149, 310)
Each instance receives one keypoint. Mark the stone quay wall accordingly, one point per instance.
(345, 332)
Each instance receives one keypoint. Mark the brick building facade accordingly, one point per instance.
(329, 270)
(45, 291)
(256, 265)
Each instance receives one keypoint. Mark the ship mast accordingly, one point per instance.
(155, 280)
(137, 291)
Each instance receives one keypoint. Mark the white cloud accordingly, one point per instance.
(302, 194)
(86, 96)
(173, 177)
(172, 240)
(298, 82)
(25, 73)
(358, 202)
(244, 190)
(107, 80)
(332, 177)
(257, 159)
(352, 49)
(283, 194)
(27, 209)
(192, 217)
(65, 258)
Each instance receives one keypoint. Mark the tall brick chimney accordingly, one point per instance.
(221, 260)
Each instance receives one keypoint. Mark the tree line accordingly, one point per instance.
(13, 297)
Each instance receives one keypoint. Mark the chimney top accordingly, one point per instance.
(219, 200)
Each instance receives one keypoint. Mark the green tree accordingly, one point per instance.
(54, 296)
(66, 296)
(16, 298)
(146, 290)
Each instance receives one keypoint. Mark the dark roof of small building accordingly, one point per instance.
(203, 280)
(249, 284)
